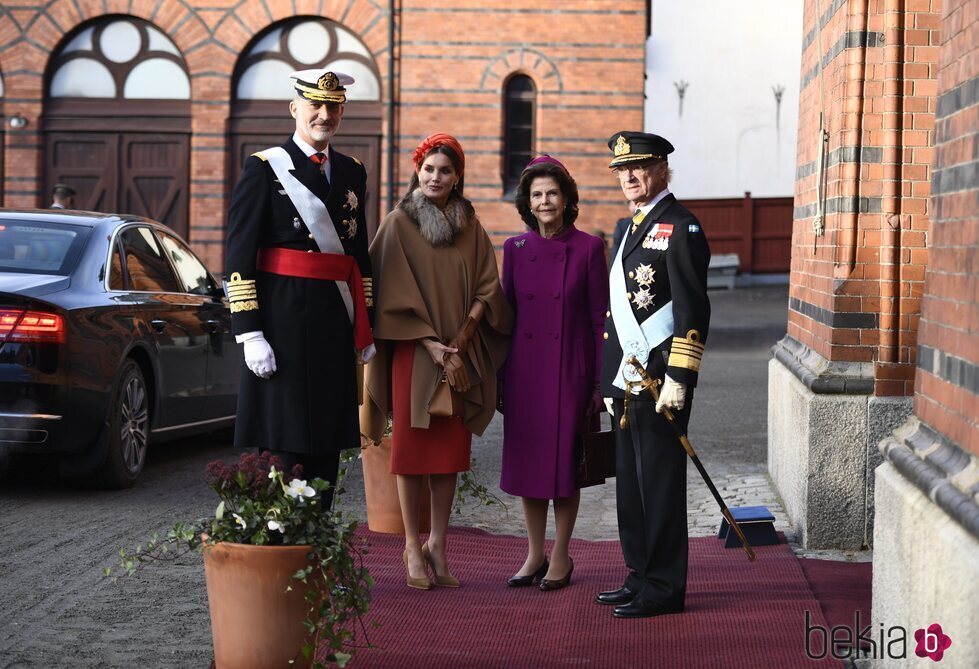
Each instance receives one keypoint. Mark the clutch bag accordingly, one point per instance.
(595, 457)
(445, 402)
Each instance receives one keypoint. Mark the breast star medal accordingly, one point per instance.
(351, 224)
(642, 298)
(351, 203)
(297, 224)
(644, 275)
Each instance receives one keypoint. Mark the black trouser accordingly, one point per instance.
(651, 500)
(314, 466)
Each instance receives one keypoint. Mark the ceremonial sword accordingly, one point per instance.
(649, 384)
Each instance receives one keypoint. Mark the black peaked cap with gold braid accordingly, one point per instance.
(635, 147)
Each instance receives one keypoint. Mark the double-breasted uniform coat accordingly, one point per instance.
(664, 258)
(558, 289)
(309, 405)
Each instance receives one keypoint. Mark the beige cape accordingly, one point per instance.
(422, 291)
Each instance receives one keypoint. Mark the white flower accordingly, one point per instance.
(272, 472)
(276, 525)
(299, 488)
(240, 520)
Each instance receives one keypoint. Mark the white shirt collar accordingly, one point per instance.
(309, 150)
(646, 208)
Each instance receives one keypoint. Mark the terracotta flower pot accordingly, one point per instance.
(381, 492)
(255, 622)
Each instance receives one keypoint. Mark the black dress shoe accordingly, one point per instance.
(621, 596)
(525, 581)
(546, 585)
(640, 608)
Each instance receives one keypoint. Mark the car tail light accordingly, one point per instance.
(16, 325)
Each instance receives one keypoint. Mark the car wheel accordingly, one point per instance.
(129, 429)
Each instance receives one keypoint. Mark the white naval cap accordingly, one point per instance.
(322, 85)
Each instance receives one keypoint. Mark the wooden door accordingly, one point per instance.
(88, 163)
(130, 173)
(153, 171)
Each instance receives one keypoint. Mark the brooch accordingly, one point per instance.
(519, 244)
(351, 200)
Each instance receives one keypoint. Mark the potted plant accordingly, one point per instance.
(381, 489)
(285, 577)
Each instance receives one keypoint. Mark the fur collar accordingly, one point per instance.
(438, 226)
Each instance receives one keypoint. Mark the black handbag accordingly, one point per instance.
(595, 457)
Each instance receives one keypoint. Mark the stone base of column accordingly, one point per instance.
(823, 431)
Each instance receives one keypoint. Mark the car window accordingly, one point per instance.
(147, 267)
(39, 247)
(116, 281)
(191, 273)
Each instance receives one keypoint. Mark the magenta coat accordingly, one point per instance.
(558, 289)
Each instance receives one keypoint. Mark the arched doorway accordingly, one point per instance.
(117, 120)
(261, 89)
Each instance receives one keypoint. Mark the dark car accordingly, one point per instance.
(113, 335)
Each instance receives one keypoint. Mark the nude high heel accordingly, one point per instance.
(417, 583)
(447, 581)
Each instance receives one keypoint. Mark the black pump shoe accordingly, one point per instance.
(546, 585)
(525, 581)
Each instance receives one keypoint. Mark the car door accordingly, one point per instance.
(171, 319)
(223, 356)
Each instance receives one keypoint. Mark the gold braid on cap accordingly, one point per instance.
(327, 89)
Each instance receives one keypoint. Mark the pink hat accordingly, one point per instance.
(544, 158)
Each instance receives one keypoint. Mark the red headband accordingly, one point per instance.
(435, 141)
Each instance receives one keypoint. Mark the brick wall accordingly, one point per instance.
(947, 383)
(856, 284)
(454, 59)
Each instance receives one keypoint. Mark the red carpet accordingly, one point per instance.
(842, 588)
(739, 614)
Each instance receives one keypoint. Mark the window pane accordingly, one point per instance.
(192, 274)
(116, 282)
(367, 86)
(83, 78)
(120, 41)
(148, 269)
(157, 78)
(39, 248)
(266, 80)
(309, 42)
(521, 85)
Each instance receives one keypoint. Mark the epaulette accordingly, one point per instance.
(259, 154)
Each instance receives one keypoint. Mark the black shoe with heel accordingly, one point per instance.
(546, 585)
(526, 581)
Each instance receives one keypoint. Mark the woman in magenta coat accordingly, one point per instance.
(556, 279)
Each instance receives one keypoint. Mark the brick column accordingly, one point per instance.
(843, 377)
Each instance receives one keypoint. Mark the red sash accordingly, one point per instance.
(326, 266)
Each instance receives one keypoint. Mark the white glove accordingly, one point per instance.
(258, 354)
(673, 395)
(364, 355)
(608, 406)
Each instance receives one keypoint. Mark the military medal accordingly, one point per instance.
(297, 224)
(351, 224)
(351, 200)
(642, 298)
(644, 275)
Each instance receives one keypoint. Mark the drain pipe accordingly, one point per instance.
(846, 251)
(392, 144)
(893, 174)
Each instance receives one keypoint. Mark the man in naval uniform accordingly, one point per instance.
(658, 312)
(299, 282)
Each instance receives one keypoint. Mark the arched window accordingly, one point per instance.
(124, 58)
(304, 43)
(519, 112)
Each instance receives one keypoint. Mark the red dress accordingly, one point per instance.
(443, 448)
